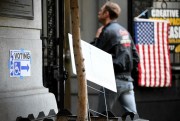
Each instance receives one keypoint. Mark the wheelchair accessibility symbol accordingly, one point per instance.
(17, 70)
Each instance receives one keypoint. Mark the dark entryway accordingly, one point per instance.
(52, 42)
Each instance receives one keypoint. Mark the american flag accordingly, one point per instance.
(151, 39)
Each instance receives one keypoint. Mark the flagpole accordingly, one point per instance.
(143, 13)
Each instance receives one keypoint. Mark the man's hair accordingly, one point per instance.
(113, 9)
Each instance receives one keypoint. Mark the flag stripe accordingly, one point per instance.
(157, 58)
(155, 71)
(159, 54)
(147, 65)
(164, 57)
(151, 66)
(149, 54)
(161, 57)
(167, 52)
(142, 66)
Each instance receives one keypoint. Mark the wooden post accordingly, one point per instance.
(79, 61)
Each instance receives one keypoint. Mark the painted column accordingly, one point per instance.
(25, 94)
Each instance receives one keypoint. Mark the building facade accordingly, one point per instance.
(40, 29)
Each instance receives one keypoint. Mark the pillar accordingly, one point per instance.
(22, 95)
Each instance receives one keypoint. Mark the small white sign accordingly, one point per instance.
(20, 63)
(98, 65)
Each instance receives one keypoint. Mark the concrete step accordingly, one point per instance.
(74, 118)
(69, 117)
(93, 118)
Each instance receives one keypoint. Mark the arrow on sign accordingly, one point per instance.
(25, 67)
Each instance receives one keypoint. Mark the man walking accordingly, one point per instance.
(116, 40)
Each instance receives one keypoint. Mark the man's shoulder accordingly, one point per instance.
(113, 26)
(117, 25)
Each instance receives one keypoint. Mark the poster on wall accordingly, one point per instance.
(173, 15)
(20, 63)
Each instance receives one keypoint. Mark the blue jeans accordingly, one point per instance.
(124, 96)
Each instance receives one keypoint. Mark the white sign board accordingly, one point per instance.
(20, 63)
(98, 65)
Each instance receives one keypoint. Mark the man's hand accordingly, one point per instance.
(99, 31)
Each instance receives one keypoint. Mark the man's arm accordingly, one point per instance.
(135, 62)
(96, 39)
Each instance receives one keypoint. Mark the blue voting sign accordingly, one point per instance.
(20, 63)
